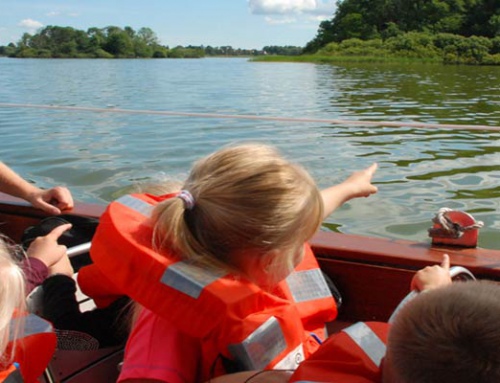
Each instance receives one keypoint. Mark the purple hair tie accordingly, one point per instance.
(187, 198)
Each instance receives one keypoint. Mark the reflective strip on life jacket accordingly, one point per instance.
(308, 285)
(368, 341)
(292, 360)
(140, 206)
(33, 325)
(261, 346)
(189, 279)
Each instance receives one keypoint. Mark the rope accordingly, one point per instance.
(253, 117)
(455, 229)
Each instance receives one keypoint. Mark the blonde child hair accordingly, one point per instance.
(447, 335)
(11, 299)
(243, 198)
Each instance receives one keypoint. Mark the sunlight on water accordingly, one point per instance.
(99, 156)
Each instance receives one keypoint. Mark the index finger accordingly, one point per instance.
(445, 264)
(58, 231)
(372, 168)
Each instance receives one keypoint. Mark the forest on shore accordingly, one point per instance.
(445, 31)
(450, 31)
(116, 42)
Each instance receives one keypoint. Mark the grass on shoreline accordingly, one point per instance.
(321, 59)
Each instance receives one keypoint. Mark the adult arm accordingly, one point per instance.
(356, 185)
(51, 200)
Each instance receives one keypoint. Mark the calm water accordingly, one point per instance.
(99, 156)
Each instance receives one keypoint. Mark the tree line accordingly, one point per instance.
(450, 31)
(372, 19)
(116, 42)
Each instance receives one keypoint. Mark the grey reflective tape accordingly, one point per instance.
(189, 279)
(32, 324)
(292, 360)
(367, 340)
(261, 347)
(136, 204)
(308, 285)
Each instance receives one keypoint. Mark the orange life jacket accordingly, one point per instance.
(353, 355)
(34, 348)
(11, 375)
(233, 317)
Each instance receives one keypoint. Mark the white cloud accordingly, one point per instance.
(285, 7)
(30, 24)
(53, 13)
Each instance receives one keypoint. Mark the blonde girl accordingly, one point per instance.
(11, 300)
(245, 210)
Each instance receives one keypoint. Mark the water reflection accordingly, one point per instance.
(100, 156)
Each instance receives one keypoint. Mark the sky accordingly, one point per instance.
(246, 24)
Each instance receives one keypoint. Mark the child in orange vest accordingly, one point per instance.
(244, 211)
(449, 334)
(27, 342)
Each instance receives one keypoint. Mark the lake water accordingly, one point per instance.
(101, 155)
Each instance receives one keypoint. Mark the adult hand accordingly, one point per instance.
(46, 248)
(432, 277)
(52, 200)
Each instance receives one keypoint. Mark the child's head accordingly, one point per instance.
(11, 295)
(449, 334)
(249, 204)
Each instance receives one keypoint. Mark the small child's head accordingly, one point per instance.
(11, 296)
(447, 335)
(249, 206)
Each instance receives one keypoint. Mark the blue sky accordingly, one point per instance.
(240, 23)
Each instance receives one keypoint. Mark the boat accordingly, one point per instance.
(372, 274)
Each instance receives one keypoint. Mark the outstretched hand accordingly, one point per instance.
(52, 200)
(46, 248)
(358, 184)
(432, 277)
(361, 182)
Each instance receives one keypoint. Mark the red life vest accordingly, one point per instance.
(11, 375)
(233, 317)
(34, 348)
(353, 355)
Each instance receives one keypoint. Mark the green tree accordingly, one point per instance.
(119, 44)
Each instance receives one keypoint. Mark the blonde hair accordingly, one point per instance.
(246, 198)
(448, 335)
(12, 298)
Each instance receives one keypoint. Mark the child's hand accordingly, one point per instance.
(432, 277)
(63, 266)
(360, 182)
(46, 248)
